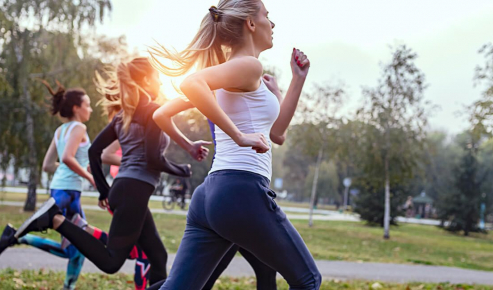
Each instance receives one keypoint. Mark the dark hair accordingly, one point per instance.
(63, 101)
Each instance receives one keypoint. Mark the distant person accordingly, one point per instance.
(409, 207)
(179, 188)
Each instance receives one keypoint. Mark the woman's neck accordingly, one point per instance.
(75, 118)
(247, 48)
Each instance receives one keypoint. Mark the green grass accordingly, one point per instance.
(408, 244)
(44, 280)
(329, 240)
(170, 227)
(86, 200)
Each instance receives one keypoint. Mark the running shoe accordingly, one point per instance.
(7, 238)
(41, 220)
(78, 221)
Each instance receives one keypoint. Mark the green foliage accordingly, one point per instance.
(485, 159)
(328, 182)
(462, 205)
(481, 111)
(394, 116)
(57, 61)
(297, 162)
(30, 31)
(317, 129)
(370, 203)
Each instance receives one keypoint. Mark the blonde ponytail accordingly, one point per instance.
(122, 89)
(220, 30)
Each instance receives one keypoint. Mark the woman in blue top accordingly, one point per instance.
(70, 145)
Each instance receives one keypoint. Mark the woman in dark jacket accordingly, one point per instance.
(143, 145)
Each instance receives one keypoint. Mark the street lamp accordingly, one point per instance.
(347, 184)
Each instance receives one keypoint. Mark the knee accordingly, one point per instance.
(317, 280)
(110, 268)
(312, 282)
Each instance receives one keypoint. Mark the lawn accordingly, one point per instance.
(329, 240)
(86, 200)
(44, 280)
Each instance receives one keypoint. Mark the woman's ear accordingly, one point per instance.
(146, 81)
(250, 24)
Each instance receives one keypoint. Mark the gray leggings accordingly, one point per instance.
(237, 207)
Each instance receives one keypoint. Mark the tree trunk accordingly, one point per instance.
(23, 51)
(30, 204)
(314, 187)
(386, 218)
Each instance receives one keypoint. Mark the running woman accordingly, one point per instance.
(69, 145)
(113, 155)
(235, 205)
(266, 276)
(143, 145)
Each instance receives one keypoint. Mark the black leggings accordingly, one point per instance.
(266, 276)
(132, 224)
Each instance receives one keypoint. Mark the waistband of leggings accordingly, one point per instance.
(241, 173)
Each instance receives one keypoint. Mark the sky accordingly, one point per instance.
(346, 41)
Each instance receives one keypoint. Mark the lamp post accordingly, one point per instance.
(347, 184)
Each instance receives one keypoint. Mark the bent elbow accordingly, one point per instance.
(157, 115)
(279, 140)
(188, 85)
(67, 160)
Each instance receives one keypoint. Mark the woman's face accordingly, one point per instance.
(153, 84)
(84, 111)
(264, 27)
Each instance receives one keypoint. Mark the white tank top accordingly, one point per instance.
(251, 112)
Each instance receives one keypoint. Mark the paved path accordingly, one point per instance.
(29, 258)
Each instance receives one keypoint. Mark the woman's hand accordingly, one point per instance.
(91, 181)
(271, 83)
(103, 204)
(198, 151)
(257, 141)
(300, 64)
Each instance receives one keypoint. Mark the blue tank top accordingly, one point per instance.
(64, 178)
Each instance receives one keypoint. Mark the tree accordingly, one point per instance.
(318, 112)
(481, 111)
(485, 159)
(396, 116)
(463, 205)
(23, 24)
(328, 181)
